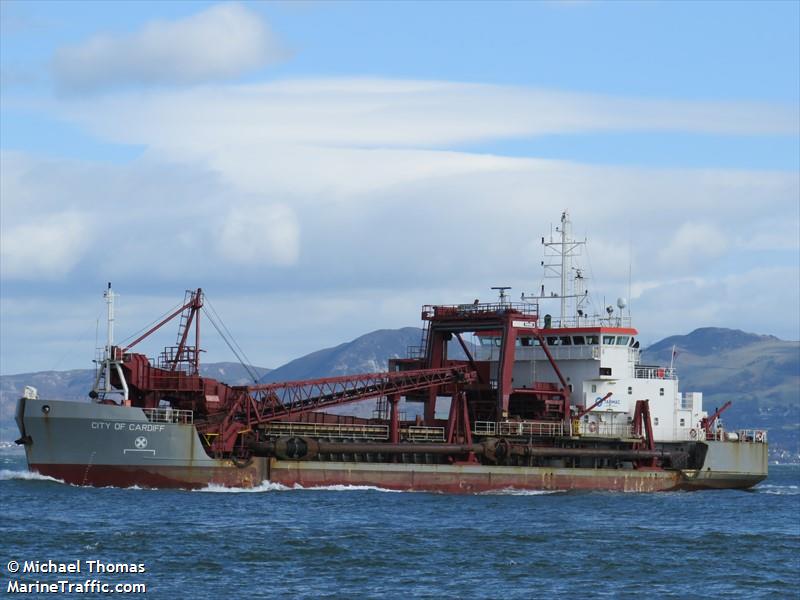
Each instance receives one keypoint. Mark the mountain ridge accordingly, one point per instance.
(710, 339)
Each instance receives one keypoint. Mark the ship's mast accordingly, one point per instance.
(109, 296)
(559, 252)
(110, 360)
(566, 261)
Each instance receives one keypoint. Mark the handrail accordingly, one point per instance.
(519, 428)
(747, 436)
(421, 433)
(655, 373)
(527, 309)
(603, 430)
(333, 430)
(169, 415)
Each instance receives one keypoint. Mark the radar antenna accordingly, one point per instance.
(502, 293)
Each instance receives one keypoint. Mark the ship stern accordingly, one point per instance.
(739, 464)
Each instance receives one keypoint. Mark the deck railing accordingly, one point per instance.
(519, 428)
(655, 373)
(169, 415)
(747, 436)
(330, 430)
(603, 430)
(418, 433)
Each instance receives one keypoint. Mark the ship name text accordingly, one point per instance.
(152, 427)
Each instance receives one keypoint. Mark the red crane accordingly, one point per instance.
(707, 422)
(223, 412)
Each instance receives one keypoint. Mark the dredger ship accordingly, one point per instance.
(535, 403)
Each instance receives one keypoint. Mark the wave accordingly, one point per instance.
(264, 486)
(782, 490)
(518, 492)
(269, 486)
(9, 474)
(347, 488)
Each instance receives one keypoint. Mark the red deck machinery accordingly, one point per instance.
(234, 421)
(495, 396)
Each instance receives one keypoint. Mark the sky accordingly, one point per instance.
(323, 169)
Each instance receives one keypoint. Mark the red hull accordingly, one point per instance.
(469, 478)
(435, 478)
(155, 477)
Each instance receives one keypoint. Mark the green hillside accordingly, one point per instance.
(760, 374)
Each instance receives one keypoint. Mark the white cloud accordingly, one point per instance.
(259, 235)
(357, 113)
(774, 234)
(348, 192)
(760, 300)
(694, 242)
(221, 42)
(361, 136)
(47, 248)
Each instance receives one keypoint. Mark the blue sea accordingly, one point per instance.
(341, 542)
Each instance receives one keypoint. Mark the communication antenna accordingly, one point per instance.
(630, 268)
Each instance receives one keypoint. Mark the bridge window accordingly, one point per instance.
(622, 340)
(566, 341)
(592, 339)
(609, 340)
(552, 341)
(578, 340)
(605, 371)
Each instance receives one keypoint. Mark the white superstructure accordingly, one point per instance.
(598, 355)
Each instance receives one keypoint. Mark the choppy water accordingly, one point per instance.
(365, 543)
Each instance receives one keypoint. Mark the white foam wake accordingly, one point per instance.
(9, 474)
(268, 486)
(264, 486)
(346, 488)
(518, 492)
(783, 490)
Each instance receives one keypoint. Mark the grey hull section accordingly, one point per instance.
(730, 465)
(98, 444)
(84, 433)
